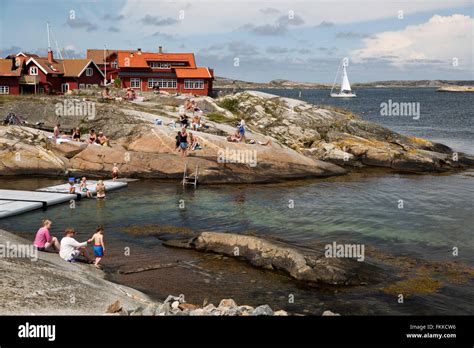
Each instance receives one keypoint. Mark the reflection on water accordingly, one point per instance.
(360, 208)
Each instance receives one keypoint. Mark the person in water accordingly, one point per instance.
(100, 189)
(99, 246)
(83, 187)
(43, 239)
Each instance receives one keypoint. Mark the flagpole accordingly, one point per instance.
(105, 65)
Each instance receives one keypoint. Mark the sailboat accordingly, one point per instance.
(345, 91)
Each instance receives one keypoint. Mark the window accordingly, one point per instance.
(4, 89)
(89, 72)
(82, 86)
(162, 83)
(65, 87)
(135, 83)
(41, 90)
(114, 64)
(194, 84)
(34, 70)
(160, 65)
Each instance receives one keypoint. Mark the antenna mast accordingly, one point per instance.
(49, 41)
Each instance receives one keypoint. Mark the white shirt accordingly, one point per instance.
(68, 247)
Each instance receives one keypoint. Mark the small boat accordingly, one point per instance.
(345, 91)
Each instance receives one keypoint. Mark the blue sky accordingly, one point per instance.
(274, 39)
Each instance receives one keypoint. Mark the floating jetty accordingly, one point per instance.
(14, 202)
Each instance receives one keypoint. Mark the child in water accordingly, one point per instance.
(99, 246)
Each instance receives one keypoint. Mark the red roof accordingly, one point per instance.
(139, 59)
(193, 73)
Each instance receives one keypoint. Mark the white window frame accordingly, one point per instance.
(114, 64)
(64, 90)
(89, 72)
(82, 86)
(160, 65)
(133, 82)
(4, 89)
(34, 70)
(193, 84)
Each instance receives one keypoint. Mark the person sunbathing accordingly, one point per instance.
(76, 135)
(92, 137)
(102, 139)
(196, 122)
(235, 138)
(106, 93)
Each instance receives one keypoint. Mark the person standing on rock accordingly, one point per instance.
(183, 141)
(43, 240)
(71, 249)
(56, 131)
(115, 172)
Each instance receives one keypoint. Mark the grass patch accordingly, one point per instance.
(219, 118)
(229, 104)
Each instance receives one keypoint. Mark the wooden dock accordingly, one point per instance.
(14, 202)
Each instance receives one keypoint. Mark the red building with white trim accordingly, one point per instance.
(172, 72)
(23, 74)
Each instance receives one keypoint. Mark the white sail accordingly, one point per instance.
(345, 85)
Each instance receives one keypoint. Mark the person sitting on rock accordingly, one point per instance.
(235, 138)
(188, 106)
(183, 119)
(106, 93)
(71, 249)
(43, 239)
(76, 134)
(102, 139)
(92, 137)
(196, 122)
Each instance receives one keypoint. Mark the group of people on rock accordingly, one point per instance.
(69, 248)
(93, 137)
(186, 140)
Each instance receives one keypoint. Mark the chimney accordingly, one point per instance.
(160, 49)
(139, 51)
(50, 56)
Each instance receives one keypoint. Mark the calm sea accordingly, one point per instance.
(362, 208)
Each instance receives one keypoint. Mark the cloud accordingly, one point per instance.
(440, 39)
(293, 20)
(325, 24)
(158, 21)
(242, 48)
(10, 50)
(304, 51)
(109, 17)
(351, 35)
(113, 29)
(164, 35)
(277, 49)
(279, 28)
(79, 23)
(269, 11)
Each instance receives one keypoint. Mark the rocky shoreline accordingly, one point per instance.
(50, 286)
(305, 141)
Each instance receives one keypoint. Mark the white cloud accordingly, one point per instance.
(437, 41)
(221, 16)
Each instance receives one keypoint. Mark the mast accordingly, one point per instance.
(49, 41)
(335, 78)
(105, 65)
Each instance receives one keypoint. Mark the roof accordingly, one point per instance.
(66, 67)
(202, 73)
(6, 68)
(97, 55)
(139, 60)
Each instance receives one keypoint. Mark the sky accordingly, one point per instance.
(259, 41)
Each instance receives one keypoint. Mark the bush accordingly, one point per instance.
(229, 104)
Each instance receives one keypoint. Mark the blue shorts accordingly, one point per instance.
(184, 146)
(98, 251)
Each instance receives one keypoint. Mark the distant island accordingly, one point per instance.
(444, 85)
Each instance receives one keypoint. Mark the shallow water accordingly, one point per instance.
(362, 208)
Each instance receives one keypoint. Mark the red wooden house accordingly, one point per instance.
(106, 60)
(36, 74)
(171, 72)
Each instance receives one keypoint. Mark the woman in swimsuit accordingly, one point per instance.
(183, 141)
(76, 135)
(92, 137)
